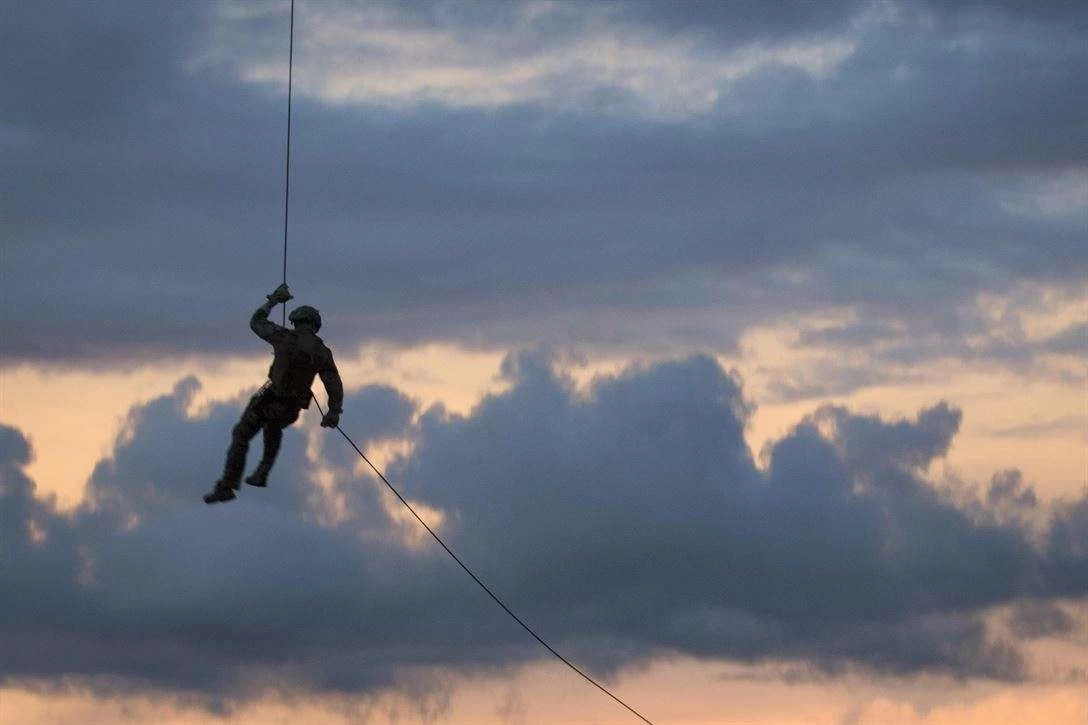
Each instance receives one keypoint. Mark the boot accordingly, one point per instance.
(223, 492)
(259, 477)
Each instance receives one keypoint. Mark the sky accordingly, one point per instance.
(740, 347)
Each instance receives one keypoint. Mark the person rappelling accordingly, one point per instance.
(299, 355)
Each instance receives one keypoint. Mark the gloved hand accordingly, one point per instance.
(280, 294)
(330, 419)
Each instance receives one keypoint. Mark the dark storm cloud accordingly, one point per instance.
(145, 215)
(79, 69)
(740, 20)
(1069, 13)
(1041, 619)
(623, 525)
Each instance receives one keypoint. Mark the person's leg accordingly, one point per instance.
(240, 437)
(273, 436)
(235, 464)
(278, 416)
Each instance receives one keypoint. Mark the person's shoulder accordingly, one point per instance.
(324, 348)
(282, 336)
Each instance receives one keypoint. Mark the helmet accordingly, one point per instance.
(306, 315)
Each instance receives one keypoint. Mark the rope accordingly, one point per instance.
(287, 174)
(477, 579)
(435, 536)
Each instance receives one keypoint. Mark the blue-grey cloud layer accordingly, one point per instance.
(625, 525)
(143, 208)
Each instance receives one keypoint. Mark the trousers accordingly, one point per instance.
(265, 412)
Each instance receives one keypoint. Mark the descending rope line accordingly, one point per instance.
(287, 174)
(526, 627)
(477, 579)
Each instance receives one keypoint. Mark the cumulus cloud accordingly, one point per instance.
(626, 522)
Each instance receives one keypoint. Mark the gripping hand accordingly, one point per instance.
(280, 294)
(330, 419)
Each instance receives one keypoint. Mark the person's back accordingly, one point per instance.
(299, 356)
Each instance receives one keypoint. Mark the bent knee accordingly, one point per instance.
(243, 431)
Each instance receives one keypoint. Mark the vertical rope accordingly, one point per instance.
(286, 207)
(287, 174)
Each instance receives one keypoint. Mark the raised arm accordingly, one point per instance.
(259, 322)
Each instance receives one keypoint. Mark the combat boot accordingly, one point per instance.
(223, 492)
(259, 477)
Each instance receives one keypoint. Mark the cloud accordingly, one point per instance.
(1024, 329)
(589, 57)
(1073, 340)
(868, 441)
(1007, 488)
(819, 160)
(625, 523)
(1068, 425)
(1040, 619)
(830, 378)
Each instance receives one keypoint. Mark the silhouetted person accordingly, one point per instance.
(299, 356)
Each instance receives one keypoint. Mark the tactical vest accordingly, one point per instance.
(297, 360)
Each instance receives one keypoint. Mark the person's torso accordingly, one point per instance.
(298, 357)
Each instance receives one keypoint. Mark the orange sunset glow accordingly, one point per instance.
(690, 363)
